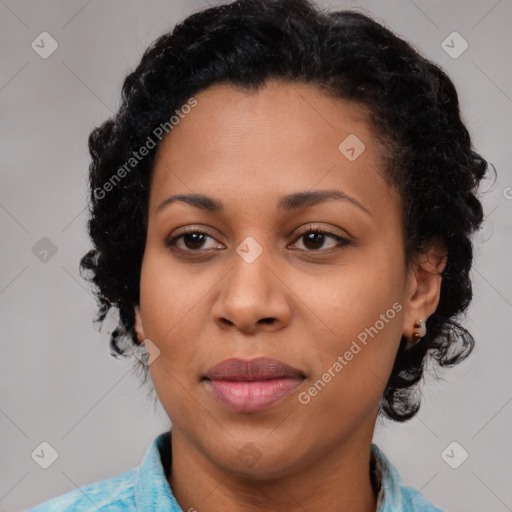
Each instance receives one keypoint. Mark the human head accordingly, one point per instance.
(411, 106)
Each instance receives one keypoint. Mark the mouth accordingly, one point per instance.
(252, 385)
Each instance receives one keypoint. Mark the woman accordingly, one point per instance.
(281, 213)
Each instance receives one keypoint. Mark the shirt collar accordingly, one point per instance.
(152, 491)
(389, 497)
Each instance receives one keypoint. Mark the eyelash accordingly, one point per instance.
(171, 242)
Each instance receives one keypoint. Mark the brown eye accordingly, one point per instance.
(193, 240)
(189, 241)
(314, 239)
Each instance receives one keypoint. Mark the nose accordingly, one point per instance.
(253, 297)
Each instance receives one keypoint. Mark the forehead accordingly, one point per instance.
(282, 137)
(226, 114)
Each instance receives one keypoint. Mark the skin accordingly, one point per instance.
(200, 308)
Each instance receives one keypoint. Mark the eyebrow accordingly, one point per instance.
(291, 202)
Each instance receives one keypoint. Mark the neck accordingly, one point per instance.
(338, 481)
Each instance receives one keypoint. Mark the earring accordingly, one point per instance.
(420, 329)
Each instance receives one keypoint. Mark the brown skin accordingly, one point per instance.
(248, 150)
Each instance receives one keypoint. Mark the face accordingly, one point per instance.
(317, 284)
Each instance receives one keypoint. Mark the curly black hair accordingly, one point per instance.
(413, 108)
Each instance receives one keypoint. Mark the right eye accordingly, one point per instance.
(189, 241)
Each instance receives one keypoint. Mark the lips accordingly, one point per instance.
(252, 385)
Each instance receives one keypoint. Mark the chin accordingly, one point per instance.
(259, 455)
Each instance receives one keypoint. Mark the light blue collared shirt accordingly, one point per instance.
(145, 489)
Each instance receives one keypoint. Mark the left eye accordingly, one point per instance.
(314, 239)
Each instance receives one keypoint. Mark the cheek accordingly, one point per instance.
(169, 300)
(167, 293)
(356, 294)
(351, 368)
(362, 311)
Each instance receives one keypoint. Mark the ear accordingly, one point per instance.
(423, 287)
(138, 325)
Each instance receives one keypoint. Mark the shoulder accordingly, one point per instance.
(111, 495)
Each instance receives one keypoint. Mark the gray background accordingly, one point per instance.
(59, 383)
